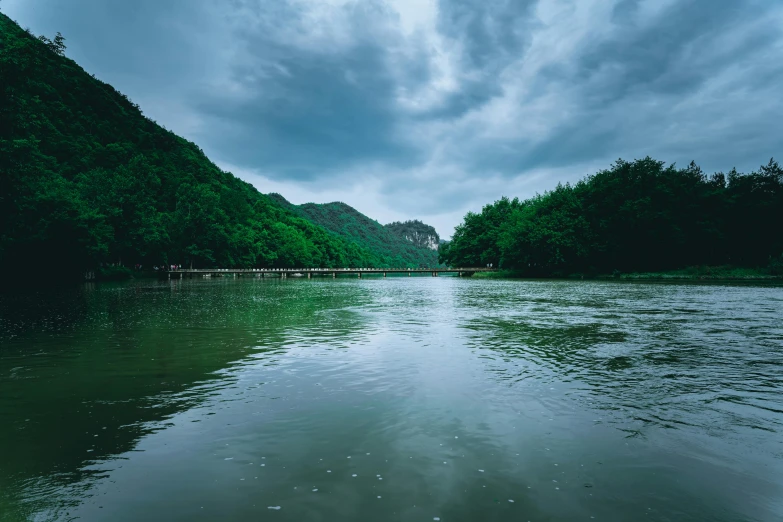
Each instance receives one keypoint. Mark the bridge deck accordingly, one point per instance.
(328, 270)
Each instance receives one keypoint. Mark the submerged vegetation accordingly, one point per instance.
(87, 181)
(640, 216)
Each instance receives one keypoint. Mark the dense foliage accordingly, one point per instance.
(418, 233)
(395, 249)
(88, 180)
(636, 216)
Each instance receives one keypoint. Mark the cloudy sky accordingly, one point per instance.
(430, 108)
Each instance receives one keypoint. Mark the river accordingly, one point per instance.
(397, 399)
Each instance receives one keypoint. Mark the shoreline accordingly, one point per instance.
(706, 274)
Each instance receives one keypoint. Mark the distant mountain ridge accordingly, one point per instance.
(413, 241)
(418, 233)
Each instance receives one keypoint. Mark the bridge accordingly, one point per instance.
(317, 272)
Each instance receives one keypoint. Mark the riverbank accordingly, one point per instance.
(696, 273)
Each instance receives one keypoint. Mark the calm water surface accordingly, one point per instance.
(399, 399)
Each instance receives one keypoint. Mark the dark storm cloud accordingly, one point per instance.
(492, 31)
(492, 34)
(312, 109)
(676, 54)
(633, 88)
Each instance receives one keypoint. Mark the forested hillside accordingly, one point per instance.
(347, 222)
(635, 216)
(87, 180)
(418, 233)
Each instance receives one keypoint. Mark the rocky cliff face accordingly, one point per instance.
(418, 233)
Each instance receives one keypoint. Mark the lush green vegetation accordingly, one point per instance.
(87, 180)
(394, 248)
(639, 216)
(418, 233)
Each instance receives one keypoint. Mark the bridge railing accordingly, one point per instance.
(364, 269)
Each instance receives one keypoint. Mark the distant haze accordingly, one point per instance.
(423, 109)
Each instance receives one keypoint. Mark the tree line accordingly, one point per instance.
(637, 216)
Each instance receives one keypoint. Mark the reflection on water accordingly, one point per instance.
(392, 399)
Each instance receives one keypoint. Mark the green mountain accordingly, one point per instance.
(418, 233)
(347, 222)
(88, 180)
